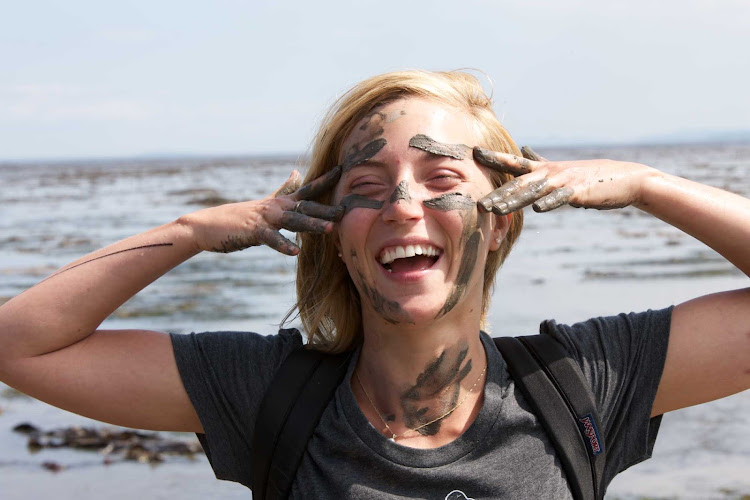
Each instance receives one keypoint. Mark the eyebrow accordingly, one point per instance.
(430, 145)
(366, 163)
(363, 155)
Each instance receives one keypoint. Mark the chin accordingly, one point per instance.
(420, 311)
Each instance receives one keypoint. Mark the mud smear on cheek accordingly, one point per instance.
(437, 389)
(400, 193)
(450, 201)
(353, 201)
(468, 261)
(430, 145)
(470, 238)
(389, 310)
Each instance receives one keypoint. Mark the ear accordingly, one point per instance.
(336, 240)
(500, 226)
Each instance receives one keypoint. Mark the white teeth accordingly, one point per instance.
(400, 252)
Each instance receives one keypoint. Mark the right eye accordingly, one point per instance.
(366, 185)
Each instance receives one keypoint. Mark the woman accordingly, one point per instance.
(402, 224)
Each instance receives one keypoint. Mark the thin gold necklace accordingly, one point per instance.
(395, 436)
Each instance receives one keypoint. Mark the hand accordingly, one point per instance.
(236, 226)
(599, 184)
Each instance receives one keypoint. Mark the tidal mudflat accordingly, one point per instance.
(570, 264)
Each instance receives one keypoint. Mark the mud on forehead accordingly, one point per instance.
(430, 145)
(369, 128)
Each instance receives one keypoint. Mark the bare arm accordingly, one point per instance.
(709, 346)
(51, 349)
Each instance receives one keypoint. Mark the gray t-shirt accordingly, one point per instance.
(505, 453)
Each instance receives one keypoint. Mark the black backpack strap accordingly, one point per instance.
(288, 415)
(552, 383)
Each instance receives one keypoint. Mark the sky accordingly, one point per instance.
(88, 79)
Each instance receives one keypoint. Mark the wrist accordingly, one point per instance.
(186, 227)
(648, 178)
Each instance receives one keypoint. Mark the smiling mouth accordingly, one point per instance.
(409, 257)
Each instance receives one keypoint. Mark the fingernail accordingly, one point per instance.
(486, 204)
(481, 153)
(501, 209)
(338, 214)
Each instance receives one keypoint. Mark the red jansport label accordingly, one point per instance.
(591, 433)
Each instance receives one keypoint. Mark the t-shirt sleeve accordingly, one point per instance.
(226, 375)
(623, 358)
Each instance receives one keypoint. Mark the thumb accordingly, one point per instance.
(530, 154)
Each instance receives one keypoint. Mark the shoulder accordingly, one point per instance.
(248, 352)
(622, 335)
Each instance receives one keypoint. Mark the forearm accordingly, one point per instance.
(69, 305)
(718, 218)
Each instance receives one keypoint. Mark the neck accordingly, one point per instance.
(416, 373)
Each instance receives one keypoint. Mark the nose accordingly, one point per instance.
(400, 206)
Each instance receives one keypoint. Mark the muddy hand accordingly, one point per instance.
(300, 214)
(236, 226)
(600, 184)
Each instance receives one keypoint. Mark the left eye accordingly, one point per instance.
(445, 180)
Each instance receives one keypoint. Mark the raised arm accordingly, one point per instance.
(709, 344)
(50, 347)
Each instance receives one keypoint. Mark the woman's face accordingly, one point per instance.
(412, 238)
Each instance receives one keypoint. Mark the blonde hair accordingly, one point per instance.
(328, 302)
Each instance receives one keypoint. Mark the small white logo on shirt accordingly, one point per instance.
(457, 495)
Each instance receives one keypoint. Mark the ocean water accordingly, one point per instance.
(569, 265)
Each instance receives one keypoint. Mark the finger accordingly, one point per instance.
(318, 186)
(300, 223)
(320, 211)
(360, 156)
(290, 185)
(523, 197)
(555, 199)
(275, 240)
(499, 194)
(530, 154)
(235, 243)
(503, 162)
